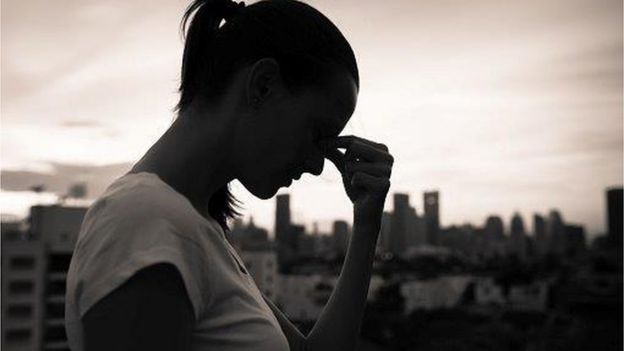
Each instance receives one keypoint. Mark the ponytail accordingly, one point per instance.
(200, 36)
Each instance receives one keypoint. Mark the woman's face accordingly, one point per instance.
(286, 144)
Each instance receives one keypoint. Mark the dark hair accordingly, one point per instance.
(305, 43)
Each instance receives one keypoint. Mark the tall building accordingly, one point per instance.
(539, 234)
(58, 225)
(555, 232)
(432, 216)
(383, 243)
(614, 216)
(493, 237)
(416, 230)
(399, 224)
(574, 240)
(286, 237)
(34, 273)
(282, 217)
(12, 230)
(517, 238)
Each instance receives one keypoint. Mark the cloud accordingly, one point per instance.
(62, 176)
(76, 123)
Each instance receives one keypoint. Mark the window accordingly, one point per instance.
(59, 262)
(17, 335)
(56, 287)
(21, 287)
(19, 311)
(22, 262)
(56, 333)
(55, 310)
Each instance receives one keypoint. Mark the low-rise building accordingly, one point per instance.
(441, 292)
(262, 266)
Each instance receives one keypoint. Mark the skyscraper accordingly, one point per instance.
(285, 241)
(574, 240)
(539, 233)
(432, 216)
(494, 237)
(614, 215)
(282, 216)
(555, 232)
(383, 244)
(399, 223)
(517, 237)
(416, 231)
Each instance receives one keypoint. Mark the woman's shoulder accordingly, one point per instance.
(138, 208)
(142, 197)
(142, 194)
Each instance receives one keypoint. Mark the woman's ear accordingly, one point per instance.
(261, 81)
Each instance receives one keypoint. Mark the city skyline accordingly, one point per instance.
(511, 107)
(324, 226)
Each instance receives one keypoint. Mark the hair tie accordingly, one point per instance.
(232, 8)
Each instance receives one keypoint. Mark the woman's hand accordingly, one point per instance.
(365, 167)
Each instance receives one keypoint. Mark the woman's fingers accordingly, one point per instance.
(359, 148)
(365, 167)
(346, 140)
(369, 153)
(370, 182)
(374, 169)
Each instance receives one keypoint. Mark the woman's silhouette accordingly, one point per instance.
(263, 99)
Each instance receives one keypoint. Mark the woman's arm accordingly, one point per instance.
(150, 311)
(338, 326)
(365, 168)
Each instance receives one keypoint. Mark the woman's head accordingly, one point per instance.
(296, 73)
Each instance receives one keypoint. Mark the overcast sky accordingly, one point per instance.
(502, 106)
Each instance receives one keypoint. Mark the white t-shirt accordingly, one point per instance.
(139, 221)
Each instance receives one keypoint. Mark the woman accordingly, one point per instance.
(263, 100)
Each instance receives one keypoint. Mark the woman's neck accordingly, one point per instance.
(193, 157)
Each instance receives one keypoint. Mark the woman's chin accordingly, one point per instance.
(267, 192)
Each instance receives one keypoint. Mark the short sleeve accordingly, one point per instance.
(130, 244)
